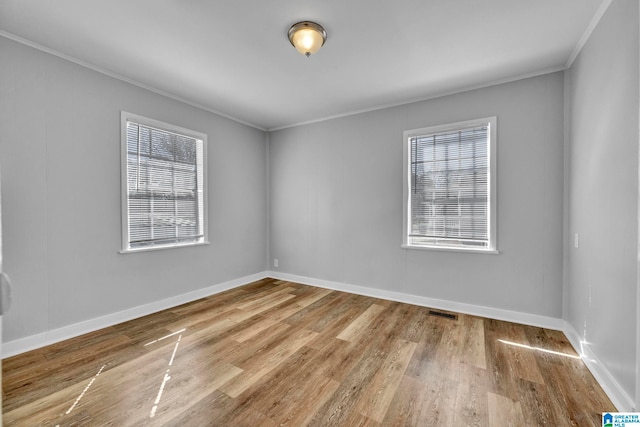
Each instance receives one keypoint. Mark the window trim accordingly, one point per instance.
(492, 247)
(124, 225)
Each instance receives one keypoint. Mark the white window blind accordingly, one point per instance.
(449, 186)
(165, 203)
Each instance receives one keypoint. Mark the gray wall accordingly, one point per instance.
(603, 192)
(60, 157)
(336, 201)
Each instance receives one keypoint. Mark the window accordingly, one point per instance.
(164, 200)
(449, 192)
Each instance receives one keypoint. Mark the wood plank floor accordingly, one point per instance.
(276, 353)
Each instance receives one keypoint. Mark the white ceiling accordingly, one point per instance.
(233, 56)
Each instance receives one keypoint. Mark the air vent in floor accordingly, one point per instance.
(443, 314)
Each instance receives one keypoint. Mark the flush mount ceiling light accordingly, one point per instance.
(307, 37)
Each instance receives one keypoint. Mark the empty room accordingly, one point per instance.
(357, 213)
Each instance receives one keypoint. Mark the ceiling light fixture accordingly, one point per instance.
(307, 37)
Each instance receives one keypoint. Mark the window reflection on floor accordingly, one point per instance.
(165, 378)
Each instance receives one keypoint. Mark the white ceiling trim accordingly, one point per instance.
(587, 33)
(434, 96)
(125, 79)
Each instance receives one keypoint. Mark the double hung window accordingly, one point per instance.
(450, 192)
(163, 185)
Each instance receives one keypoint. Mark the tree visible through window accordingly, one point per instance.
(450, 196)
(164, 175)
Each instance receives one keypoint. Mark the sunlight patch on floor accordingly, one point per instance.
(544, 350)
(166, 377)
(166, 336)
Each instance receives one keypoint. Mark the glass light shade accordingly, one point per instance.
(307, 37)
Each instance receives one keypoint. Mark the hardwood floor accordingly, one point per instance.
(276, 353)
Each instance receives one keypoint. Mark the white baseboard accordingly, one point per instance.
(476, 310)
(621, 400)
(21, 345)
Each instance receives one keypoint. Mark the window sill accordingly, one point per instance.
(452, 249)
(160, 248)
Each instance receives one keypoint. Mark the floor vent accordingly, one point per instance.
(443, 314)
